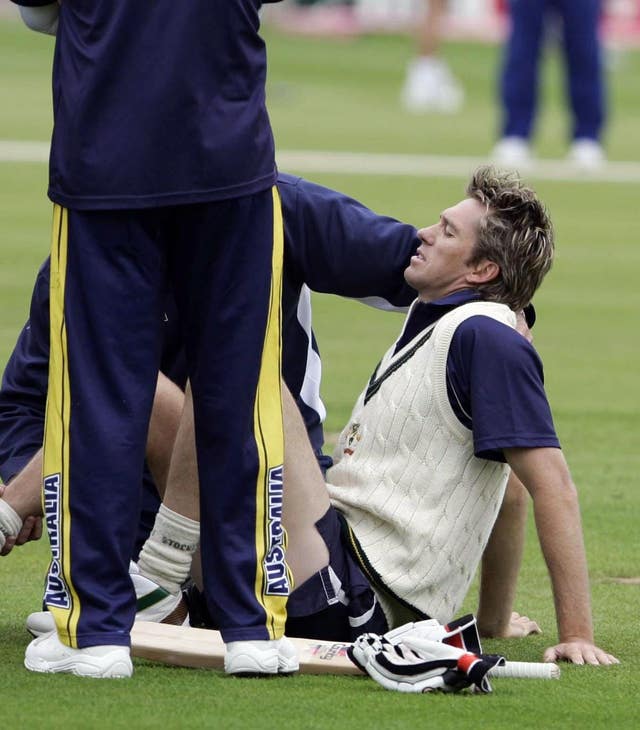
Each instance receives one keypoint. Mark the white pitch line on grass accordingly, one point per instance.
(364, 163)
(12, 151)
(368, 163)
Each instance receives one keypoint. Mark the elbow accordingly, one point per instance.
(516, 497)
(42, 19)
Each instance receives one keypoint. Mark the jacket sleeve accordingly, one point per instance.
(336, 245)
(23, 393)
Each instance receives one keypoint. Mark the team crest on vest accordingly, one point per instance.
(353, 437)
(56, 590)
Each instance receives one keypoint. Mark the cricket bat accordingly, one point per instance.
(184, 646)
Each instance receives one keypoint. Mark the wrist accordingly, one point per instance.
(494, 628)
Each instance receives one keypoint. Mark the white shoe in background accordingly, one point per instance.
(512, 152)
(431, 87)
(253, 658)
(49, 655)
(586, 154)
(40, 622)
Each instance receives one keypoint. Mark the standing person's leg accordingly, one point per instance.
(107, 282)
(429, 84)
(585, 78)
(227, 273)
(518, 87)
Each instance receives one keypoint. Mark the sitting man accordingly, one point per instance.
(421, 467)
(398, 529)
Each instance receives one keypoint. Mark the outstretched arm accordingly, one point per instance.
(545, 474)
(500, 567)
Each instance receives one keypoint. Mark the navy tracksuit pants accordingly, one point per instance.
(583, 61)
(109, 276)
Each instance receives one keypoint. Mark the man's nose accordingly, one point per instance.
(426, 234)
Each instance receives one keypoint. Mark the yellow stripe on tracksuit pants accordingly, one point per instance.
(63, 601)
(268, 423)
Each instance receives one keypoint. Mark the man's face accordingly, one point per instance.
(439, 266)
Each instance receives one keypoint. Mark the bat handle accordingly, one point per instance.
(527, 670)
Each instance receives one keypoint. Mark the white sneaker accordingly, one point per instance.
(40, 622)
(512, 152)
(586, 154)
(153, 604)
(48, 654)
(253, 658)
(431, 87)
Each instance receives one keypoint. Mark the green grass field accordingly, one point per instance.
(327, 95)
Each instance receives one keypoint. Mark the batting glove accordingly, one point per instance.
(419, 665)
(461, 633)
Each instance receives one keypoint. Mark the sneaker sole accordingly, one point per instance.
(251, 668)
(245, 665)
(120, 669)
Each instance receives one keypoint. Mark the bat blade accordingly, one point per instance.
(184, 646)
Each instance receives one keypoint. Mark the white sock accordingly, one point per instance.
(10, 522)
(166, 556)
(426, 65)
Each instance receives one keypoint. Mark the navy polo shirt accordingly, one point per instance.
(495, 380)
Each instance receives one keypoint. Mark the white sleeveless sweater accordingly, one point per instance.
(418, 502)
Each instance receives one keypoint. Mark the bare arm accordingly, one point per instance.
(500, 567)
(23, 493)
(545, 474)
(503, 555)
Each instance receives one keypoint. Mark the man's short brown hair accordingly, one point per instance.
(516, 233)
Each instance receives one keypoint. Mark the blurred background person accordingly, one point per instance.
(577, 22)
(337, 18)
(429, 84)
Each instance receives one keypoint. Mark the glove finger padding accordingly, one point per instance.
(365, 647)
(421, 665)
(461, 633)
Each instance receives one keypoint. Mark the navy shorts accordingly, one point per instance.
(335, 604)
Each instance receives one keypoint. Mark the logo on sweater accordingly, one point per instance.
(353, 436)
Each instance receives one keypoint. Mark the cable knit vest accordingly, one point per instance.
(420, 506)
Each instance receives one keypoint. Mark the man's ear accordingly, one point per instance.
(483, 272)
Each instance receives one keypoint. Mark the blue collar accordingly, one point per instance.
(430, 312)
